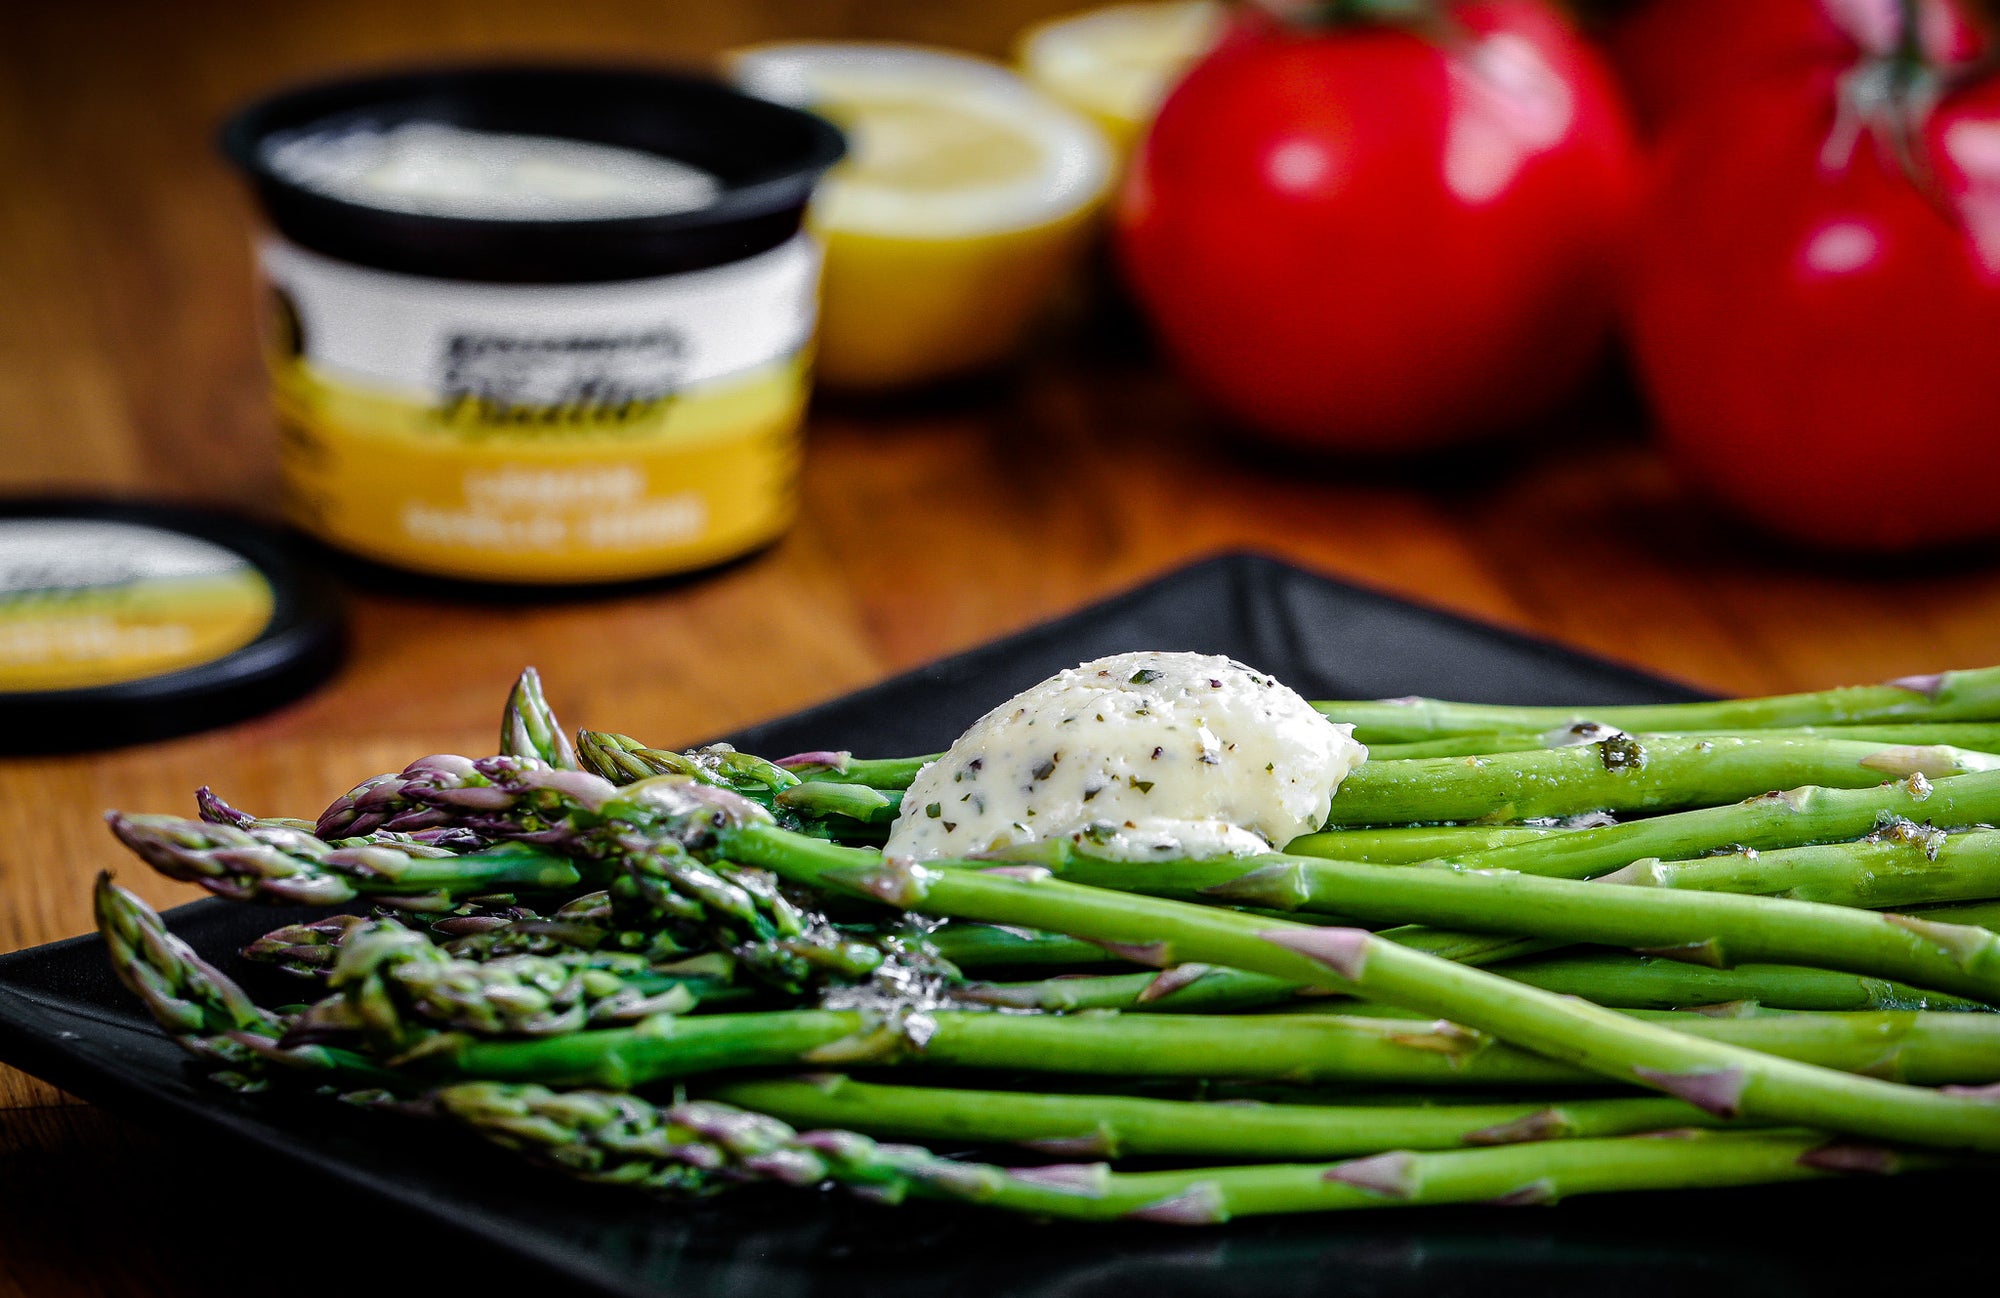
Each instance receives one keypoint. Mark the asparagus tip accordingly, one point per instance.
(215, 811)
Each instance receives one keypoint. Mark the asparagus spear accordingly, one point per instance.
(1608, 978)
(223, 1023)
(690, 1148)
(1622, 774)
(1977, 735)
(1903, 865)
(391, 986)
(1722, 1078)
(1121, 1126)
(1721, 929)
(1946, 696)
(653, 885)
(622, 759)
(1793, 818)
(278, 864)
(989, 946)
(1648, 982)
(1390, 1049)
(1408, 844)
(202, 1009)
(528, 726)
(878, 773)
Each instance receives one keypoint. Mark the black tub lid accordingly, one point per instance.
(767, 157)
(121, 623)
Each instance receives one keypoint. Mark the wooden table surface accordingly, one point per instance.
(128, 366)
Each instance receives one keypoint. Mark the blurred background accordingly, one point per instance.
(1664, 330)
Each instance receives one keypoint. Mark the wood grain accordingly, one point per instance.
(127, 365)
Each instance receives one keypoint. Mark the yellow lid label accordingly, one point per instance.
(89, 603)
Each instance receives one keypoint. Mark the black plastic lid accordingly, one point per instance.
(121, 623)
(767, 156)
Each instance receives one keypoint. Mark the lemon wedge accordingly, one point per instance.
(1116, 64)
(962, 206)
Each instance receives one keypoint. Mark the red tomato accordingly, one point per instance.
(1816, 320)
(1367, 239)
(1675, 55)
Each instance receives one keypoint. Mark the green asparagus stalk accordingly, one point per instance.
(690, 1148)
(1903, 865)
(1722, 1078)
(1720, 929)
(1388, 1049)
(1608, 978)
(528, 726)
(1946, 696)
(1794, 818)
(1978, 736)
(1650, 982)
(879, 773)
(1959, 696)
(1621, 774)
(1183, 989)
(1409, 844)
(990, 946)
(1121, 1126)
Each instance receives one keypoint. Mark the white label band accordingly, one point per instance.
(541, 345)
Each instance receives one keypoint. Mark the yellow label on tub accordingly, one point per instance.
(87, 603)
(543, 433)
(544, 494)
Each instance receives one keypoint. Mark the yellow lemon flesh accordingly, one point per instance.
(962, 206)
(1116, 64)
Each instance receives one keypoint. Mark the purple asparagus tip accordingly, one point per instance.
(1533, 1194)
(1713, 1090)
(834, 761)
(1392, 1174)
(1343, 950)
(217, 812)
(1087, 1179)
(1201, 1204)
(1842, 1156)
(1173, 980)
(1157, 954)
(1543, 1124)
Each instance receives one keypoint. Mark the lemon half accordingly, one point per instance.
(1117, 63)
(964, 201)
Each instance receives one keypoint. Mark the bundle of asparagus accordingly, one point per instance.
(1523, 944)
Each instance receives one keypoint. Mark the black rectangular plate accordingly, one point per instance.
(476, 1221)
